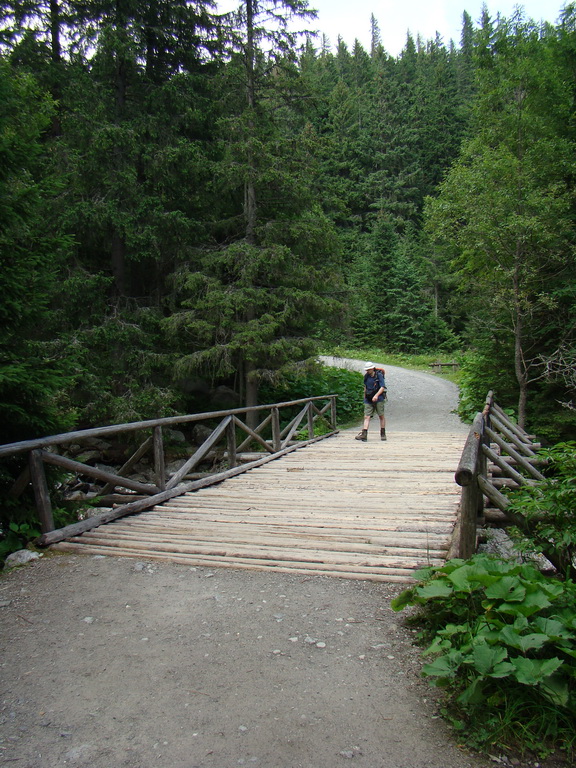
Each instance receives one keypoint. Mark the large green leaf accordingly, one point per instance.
(532, 603)
(556, 689)
(555, 629)
(402, 600)
(534, 671)
(474, 694)
(507, 588)
(523, 642)
(436, 588)
(444, 666)
(485, 657)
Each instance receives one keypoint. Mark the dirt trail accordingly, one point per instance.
(111, 663)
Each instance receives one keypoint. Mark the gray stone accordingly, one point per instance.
(174, 466)
(174, 436)
(200, 433)
(21, 557)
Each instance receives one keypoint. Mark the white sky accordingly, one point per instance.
(351, 18)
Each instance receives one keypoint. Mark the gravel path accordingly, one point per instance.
(417, 401)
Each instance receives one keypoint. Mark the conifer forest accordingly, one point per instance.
(194, 203)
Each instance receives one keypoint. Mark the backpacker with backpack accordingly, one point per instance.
(373, 383)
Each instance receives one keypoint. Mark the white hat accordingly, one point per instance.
(368, 366)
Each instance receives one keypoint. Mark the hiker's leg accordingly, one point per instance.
(381, 414)
(382, 418)
(369, 409)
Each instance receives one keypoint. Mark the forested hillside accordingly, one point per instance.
(192, 203)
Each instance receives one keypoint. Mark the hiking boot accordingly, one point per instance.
(362, 435)
(382, 434)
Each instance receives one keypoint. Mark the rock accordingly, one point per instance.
(174, 436)
(76, 496)
(224, 398)
(95, 511)
(88, 456)
(200, 433)
(21, 557)
(96, 443)
(106, 468)
(174, 466)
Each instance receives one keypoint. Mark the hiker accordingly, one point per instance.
(374, 396)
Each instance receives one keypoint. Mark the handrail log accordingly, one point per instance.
(197, 457)
(468, 467)
(506, 468)
(99, 474)
(9, 449)
(132, 461)
(521, 445)
(518, 458)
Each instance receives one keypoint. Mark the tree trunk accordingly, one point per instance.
(118, 263)
(251, 394)
(250, 191)
(519, 364)
(250, 378)
(56, 48)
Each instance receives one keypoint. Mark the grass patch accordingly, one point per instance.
(379, 355)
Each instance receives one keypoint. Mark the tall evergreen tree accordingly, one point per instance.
(33, 374)
(250, 306)
(505, 206)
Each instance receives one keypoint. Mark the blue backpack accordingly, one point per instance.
(373, 384)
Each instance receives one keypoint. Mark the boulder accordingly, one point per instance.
(21, 557)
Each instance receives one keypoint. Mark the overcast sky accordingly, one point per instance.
(351, 18)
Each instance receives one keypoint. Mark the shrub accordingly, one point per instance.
(502, 642)
(322, 380)
(549, 509)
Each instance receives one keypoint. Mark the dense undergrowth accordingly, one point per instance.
(501, 640)
(500, 635)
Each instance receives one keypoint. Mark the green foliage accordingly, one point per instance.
(32, 374)
(16, 537)
(504, 211)
(479, 373)
(549, 509)
(320, 380)
(502, 642)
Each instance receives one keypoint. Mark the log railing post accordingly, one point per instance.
(333, 412)
(471, 501)
(276, 436)
(41, 493)
(231, 440)
(310, 421)
(159, 462)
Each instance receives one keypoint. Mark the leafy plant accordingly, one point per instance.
(549, 509)
(322, 380)
(16, 537)
(502, 642)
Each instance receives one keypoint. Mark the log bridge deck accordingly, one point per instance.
(374, 510)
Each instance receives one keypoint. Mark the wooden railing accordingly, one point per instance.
(279, 441)
(497, 453)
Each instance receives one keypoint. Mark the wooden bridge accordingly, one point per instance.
(375, 510)
(330, 505)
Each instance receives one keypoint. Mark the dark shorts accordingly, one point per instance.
(370, 408)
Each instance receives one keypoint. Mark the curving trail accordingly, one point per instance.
(417, 401)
